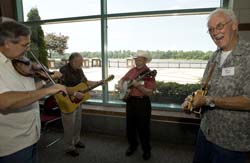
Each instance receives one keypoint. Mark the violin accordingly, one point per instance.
(30, 69)
(25, 67)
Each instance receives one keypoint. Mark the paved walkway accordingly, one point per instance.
(182, 76)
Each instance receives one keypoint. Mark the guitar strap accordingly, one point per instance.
(205, 87)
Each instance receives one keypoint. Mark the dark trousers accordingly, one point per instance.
(207, 152)
(138, 116)
(26, 155)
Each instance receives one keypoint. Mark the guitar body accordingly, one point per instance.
(65, 103)
(124, 93)
(68, 104)
(126, 87)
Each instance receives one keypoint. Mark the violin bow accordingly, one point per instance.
(42, 66)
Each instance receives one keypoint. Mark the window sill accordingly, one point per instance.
(157, 115)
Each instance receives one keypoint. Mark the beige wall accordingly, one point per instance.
(242, 10)
(8, 8)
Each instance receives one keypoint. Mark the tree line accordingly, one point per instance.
(170, 54)
(122, 54)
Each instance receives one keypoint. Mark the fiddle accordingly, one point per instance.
(25, 67)
(25, 61)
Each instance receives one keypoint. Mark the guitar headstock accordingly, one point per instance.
(111, 77)
(152, 73)
(149, 74)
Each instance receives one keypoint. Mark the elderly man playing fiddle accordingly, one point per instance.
(224, 134)
(19, 95)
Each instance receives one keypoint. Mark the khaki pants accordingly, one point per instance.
(72, 123)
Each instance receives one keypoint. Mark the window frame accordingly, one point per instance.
(104, 17)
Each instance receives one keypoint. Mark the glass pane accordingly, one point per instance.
(51, 9)
(119, 6)
(160, 35)
(84, 37)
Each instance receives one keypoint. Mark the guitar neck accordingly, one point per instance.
(92, 87)
(139, 78)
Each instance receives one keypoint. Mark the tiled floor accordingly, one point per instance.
(111, 149)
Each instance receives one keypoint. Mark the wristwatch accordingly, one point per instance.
(210, 101)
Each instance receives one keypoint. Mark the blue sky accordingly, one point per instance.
(155, 33)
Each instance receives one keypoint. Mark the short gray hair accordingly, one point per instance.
(227, 12)
(74, 55)
(12, 30)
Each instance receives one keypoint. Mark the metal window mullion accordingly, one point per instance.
(104, 48)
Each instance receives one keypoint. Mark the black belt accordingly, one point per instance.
(138, 97)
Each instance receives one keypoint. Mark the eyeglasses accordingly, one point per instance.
(219, 26)
(26, 46)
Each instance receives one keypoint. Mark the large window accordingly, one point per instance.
(185, 33)
(52, 9)
(83, 36)
(119, 6)
(160, 27)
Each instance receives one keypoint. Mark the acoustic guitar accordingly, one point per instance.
(69, 104)
(127, 85)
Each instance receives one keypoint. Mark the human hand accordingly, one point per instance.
(187, 104)
(136, 83)
(56, 75)
(79, 95)
(57, 88)
(198, 99)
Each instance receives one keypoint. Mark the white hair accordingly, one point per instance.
(227, 12)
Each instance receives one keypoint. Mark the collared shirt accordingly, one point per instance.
(229, 129)
(20, 128)
(149, 82)
(72, 77)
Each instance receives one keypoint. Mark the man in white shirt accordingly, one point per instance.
(19, 95)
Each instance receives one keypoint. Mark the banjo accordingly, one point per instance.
(127, 85)
(203, 92)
